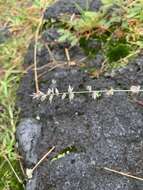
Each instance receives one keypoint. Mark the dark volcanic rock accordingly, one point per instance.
(88, 134)
(107, 132)
(28, 133)
(69, 7)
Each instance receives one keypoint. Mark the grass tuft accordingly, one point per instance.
(21, 19)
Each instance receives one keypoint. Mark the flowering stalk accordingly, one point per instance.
(94, 93)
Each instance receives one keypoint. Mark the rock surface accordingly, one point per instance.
(88, 134)
(70, 7)
(4, 34)
(28, 133)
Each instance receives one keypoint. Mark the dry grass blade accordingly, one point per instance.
(13, 170)
(35, 48)
(51, 54)
(67, 56)
(29, 172)
(35, 55)
(123, 174)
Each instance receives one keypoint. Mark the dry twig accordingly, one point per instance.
(35, 50)
(29, 172)
(123, 174)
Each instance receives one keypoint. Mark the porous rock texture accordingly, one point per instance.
(93, 134)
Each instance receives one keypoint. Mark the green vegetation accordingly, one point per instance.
(117, 26)
(64, 152)
(22, 18)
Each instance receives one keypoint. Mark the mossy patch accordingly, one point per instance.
(118, 51)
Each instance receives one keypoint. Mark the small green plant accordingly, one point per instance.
(117, 26)
(64, 152)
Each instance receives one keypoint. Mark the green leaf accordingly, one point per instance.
(108, 2)
(112, 2)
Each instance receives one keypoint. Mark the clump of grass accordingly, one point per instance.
(10, 175)
(21, 18)
(117, 26)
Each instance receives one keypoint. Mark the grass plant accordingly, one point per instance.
(21, 18)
